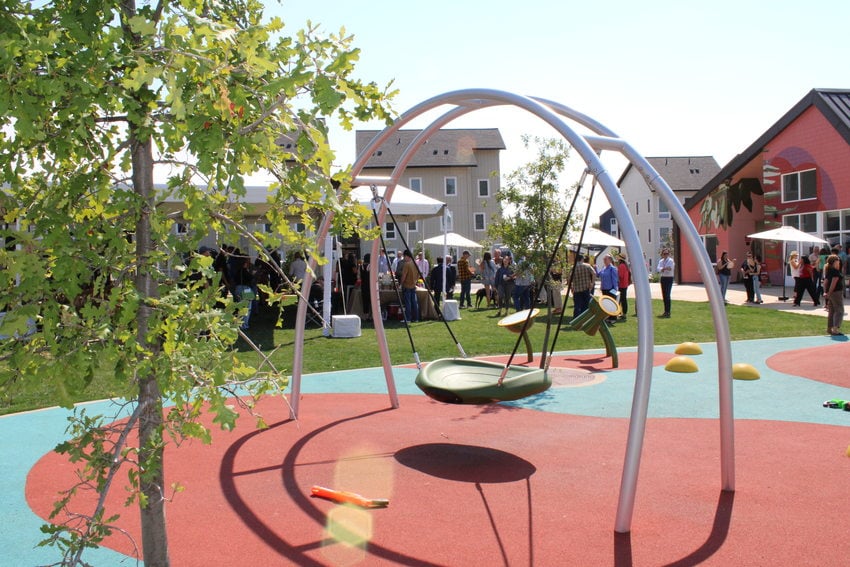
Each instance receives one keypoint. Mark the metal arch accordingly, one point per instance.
(472, 99)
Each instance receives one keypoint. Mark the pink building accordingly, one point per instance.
(797, 173)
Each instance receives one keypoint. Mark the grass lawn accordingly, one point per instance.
(476, 331)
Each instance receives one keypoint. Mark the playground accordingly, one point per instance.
(532, 482)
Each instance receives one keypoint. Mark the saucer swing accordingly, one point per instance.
(470, 381)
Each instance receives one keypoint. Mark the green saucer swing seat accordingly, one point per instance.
(469, 381)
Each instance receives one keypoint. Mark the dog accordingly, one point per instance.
(481, 295)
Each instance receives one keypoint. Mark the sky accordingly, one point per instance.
(672, 78)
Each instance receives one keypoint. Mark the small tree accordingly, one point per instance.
(535, 206)
(95, 95)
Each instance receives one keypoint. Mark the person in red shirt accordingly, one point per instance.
(625, 280)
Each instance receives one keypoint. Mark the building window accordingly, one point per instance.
(450, 185)
(807, 222)
(479, 221)
(648, 210)
(799, 186)
(483, 187)
(710, 243)
(612, 227)
(413, 226)
(637, 208)
(663, 211)
(415, 184)
(389, 231)
(664, 236)
(649, 234)
(181, 228)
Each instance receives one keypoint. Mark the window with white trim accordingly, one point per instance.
(389, 231)
(413, 226)
(800, 186)
(710, 243)
(450, 186)
(663, 211)
(479, 222)
(415, 183)
(483, 187)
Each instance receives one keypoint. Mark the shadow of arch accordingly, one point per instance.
(465, 463)
(296, 554)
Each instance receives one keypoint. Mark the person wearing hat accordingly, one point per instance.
(624, 280)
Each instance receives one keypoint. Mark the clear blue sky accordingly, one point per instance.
(670, 77)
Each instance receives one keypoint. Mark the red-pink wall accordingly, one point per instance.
(808, 142)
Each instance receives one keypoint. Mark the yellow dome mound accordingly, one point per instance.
(744, 371)
(688, 348)
(681, 364)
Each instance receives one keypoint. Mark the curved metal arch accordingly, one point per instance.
(472, 99)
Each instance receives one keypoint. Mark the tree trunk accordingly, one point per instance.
(152, 477)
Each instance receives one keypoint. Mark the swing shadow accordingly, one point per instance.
(480, 466)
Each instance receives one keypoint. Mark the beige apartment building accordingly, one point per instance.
(457, 166)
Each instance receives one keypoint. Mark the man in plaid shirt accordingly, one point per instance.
(464, 276)
(584, 280)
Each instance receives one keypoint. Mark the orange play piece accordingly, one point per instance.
(349, 498)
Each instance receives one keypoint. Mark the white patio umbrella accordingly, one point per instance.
(452, 239)
(595, 237)
(786, 234)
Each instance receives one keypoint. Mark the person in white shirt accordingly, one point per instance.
(423, 265)
(665, 269)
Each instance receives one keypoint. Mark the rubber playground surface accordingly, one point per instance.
(534, 482)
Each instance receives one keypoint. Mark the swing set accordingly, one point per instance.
(464, 380)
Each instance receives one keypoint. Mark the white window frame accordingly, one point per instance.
(798, 175)
(663, 210)
(475, 218)
(413, 226)
(389, 230)
(485, 183)
(181, 228)
(415, 184)
(453, 181)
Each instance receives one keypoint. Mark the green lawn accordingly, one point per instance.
(476, 331)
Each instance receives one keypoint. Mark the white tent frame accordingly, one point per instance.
(589, 147)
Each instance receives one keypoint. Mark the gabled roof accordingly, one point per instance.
(682, 173)
(834, 104)
(445, 148)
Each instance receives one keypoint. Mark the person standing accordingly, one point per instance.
(409, 277)
(487, 267)
(624, 280)
(584, 280)
(383, 263)
(665, 269)
(451, 278)
(423, 265)
(505, 280)
(795, 266)
(435, 281)
(833, 279)
(609, 279)
(366, 285)
(806, 283)
(748, 268)
(724, 272)
(464, 275)
(757, 281)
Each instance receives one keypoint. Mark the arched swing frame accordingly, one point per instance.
(588, 146)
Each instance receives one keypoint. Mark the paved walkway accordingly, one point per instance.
(737, 295)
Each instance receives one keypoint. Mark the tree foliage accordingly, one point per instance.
(535, 205)
(96, 96)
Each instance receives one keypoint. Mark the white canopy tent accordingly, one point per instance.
(593, 237)
(452, 239)
(406, 205)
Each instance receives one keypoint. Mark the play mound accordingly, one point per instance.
(491, 485)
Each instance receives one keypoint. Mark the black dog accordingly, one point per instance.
(481, 295)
